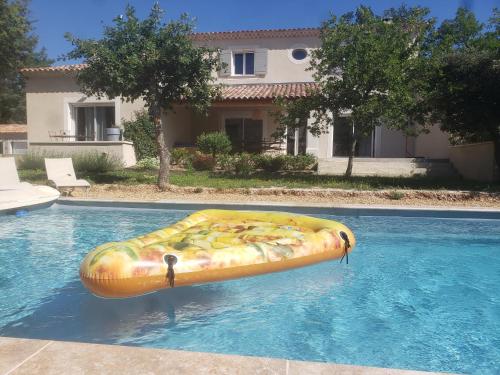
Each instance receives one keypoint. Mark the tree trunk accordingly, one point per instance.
(352, 151)
(163, 152)
(350, 161)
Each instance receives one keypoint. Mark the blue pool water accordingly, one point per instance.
(417, 294)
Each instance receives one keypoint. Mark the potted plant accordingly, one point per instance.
(113, 133)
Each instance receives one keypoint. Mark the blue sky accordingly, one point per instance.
(85, 18)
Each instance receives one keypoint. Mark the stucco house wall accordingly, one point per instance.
(433, 145)
(48, 103)
(52, 92)
(281, 67)
(123, 151)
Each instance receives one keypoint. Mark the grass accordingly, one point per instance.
(266, 179)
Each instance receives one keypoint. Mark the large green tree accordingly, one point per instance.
(367, 68)
(150, 60)
(464, 83)
(18, 49)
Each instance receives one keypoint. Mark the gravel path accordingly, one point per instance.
(416, 198)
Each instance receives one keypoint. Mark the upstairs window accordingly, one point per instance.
(244, 64)
(299, 54)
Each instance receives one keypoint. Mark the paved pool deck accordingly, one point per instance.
(26, 356)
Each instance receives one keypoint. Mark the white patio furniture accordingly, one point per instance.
(16, 195)
(61, 174)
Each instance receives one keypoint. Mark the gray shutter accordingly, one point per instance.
(225, 59)
(260, 61)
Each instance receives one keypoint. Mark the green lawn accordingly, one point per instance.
(262, 179)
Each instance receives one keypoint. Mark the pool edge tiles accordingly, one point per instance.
(341, 210)
(59, 357)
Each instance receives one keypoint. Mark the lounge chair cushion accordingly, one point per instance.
(61, 172)
(8, 171)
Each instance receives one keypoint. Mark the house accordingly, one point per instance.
(13, 139)
(260, 65)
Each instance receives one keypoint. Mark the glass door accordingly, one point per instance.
(85, 130)
(234, 130)
(91, 122)
(252, 135)
(104, 118)
(342, 133)
(245, 134)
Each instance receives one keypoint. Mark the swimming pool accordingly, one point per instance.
(418, 293)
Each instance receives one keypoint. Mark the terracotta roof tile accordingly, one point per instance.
(60, 68)
(256, 34)
(266, 91)
(205, 36)
(13, 128)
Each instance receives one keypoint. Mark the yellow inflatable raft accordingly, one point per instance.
(213, 245)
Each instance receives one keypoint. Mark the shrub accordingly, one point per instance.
(203, 162)
(148, 163)
(395, 195)
(180, 156)
(300, 162)
(244, 164)
(226, 162)
(142, 132)
(35, 160)
(95, 162)
(214, 143)
(270, 163)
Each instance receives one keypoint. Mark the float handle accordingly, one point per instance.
(170, 260)
(347, 246)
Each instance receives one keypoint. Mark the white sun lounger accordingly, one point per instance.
(9, 179)
(61, 174)
(16, 195)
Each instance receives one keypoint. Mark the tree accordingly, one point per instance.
(215, 143)
(464, 95)
(367, 68)
(17, 50)
(142, 132)
(151, 60)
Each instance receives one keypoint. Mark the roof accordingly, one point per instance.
(257, 34)
(13, 128)
(60, 68)
(266, 91)
(205, 36)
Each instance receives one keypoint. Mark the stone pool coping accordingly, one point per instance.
(305, 208)
(28, 356)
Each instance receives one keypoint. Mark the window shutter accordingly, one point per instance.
(225, 59)
(261, 61)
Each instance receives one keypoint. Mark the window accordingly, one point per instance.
(91, 122)
(245, 134)
(299, 54)
(244, 63)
